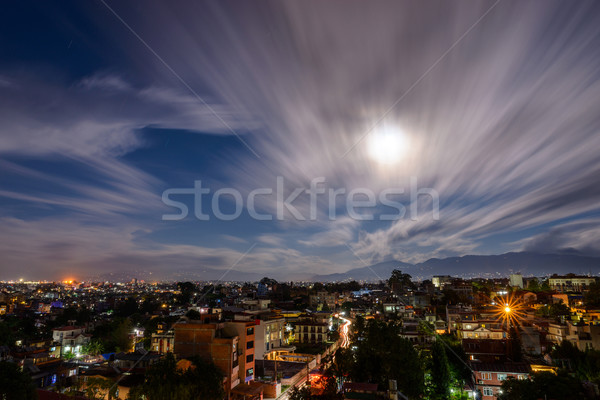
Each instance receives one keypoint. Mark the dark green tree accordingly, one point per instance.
(592, 296)
(404, 281)
(543, 385)
(193, 314)
(514, 345)
(163, 381)
(14, 384)
(382, 354)
(440, 371)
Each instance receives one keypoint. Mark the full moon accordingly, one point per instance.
(388, 146)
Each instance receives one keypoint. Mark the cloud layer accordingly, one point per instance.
(500, 116)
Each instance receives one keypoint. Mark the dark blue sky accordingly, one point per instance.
(491, 107)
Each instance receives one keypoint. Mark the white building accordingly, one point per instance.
(71, 338)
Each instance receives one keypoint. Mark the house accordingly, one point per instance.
(308, 331)
(244, 330)
(489, 376)
(163, 340)
(139, 359)
(481, 329)
(570, 283)
(485, 350)
(71, 338)
(210, 341)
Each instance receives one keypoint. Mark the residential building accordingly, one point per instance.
(321, 299)
(557, 333)
(489, 376)
(485, 350)
(163, 341)
(244, 330)
(209, 341)
(270, 334)
(308, 331)
(439, 281)
(570, 283)
(71, 338)
(516, 280)
(481, 329)
(584, 336)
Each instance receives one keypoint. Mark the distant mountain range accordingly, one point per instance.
(470, 266)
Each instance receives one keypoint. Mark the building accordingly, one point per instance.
(584, 336)
(489, 376)
(210, 341)
(557, 333)
(244, 330)
(516, 280)
(308, 331)
(570, 283)
(485, 350)
(270, 334)
(139, 359)
(162, 341)
(481, 329)
(439, 281)
(323, 299)
(71, 338)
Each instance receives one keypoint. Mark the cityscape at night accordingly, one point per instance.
(300, 200)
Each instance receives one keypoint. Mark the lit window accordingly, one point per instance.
(488, 391)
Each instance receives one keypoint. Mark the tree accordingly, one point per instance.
(300, 394)
(543, 385)
(268, 281)
(514, 344)
(545, 285)
(163, 381)
(93, 348)
(193, 314)
(342, 364)
(120, 336)
(534, 285)
(440, 371)
(14, 384)
(187, 292)
(399, 279)
(97, 388)
(383, 354)
(592, 297)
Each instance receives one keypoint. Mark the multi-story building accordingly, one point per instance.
(584, 336)
(244, 330)
(570, 283)
(163, 341)
(321, 299)
(311, 332)
(489, 376)
(439, 281)
(210, 341)
(71, 338)
(557, 333)
(485, 350)
(516, 280)
(271, 341)
(481, 329)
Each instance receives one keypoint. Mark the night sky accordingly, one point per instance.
(493, 105)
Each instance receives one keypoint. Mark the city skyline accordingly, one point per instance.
(490, 108)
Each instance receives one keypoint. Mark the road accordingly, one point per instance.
(344, 332)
